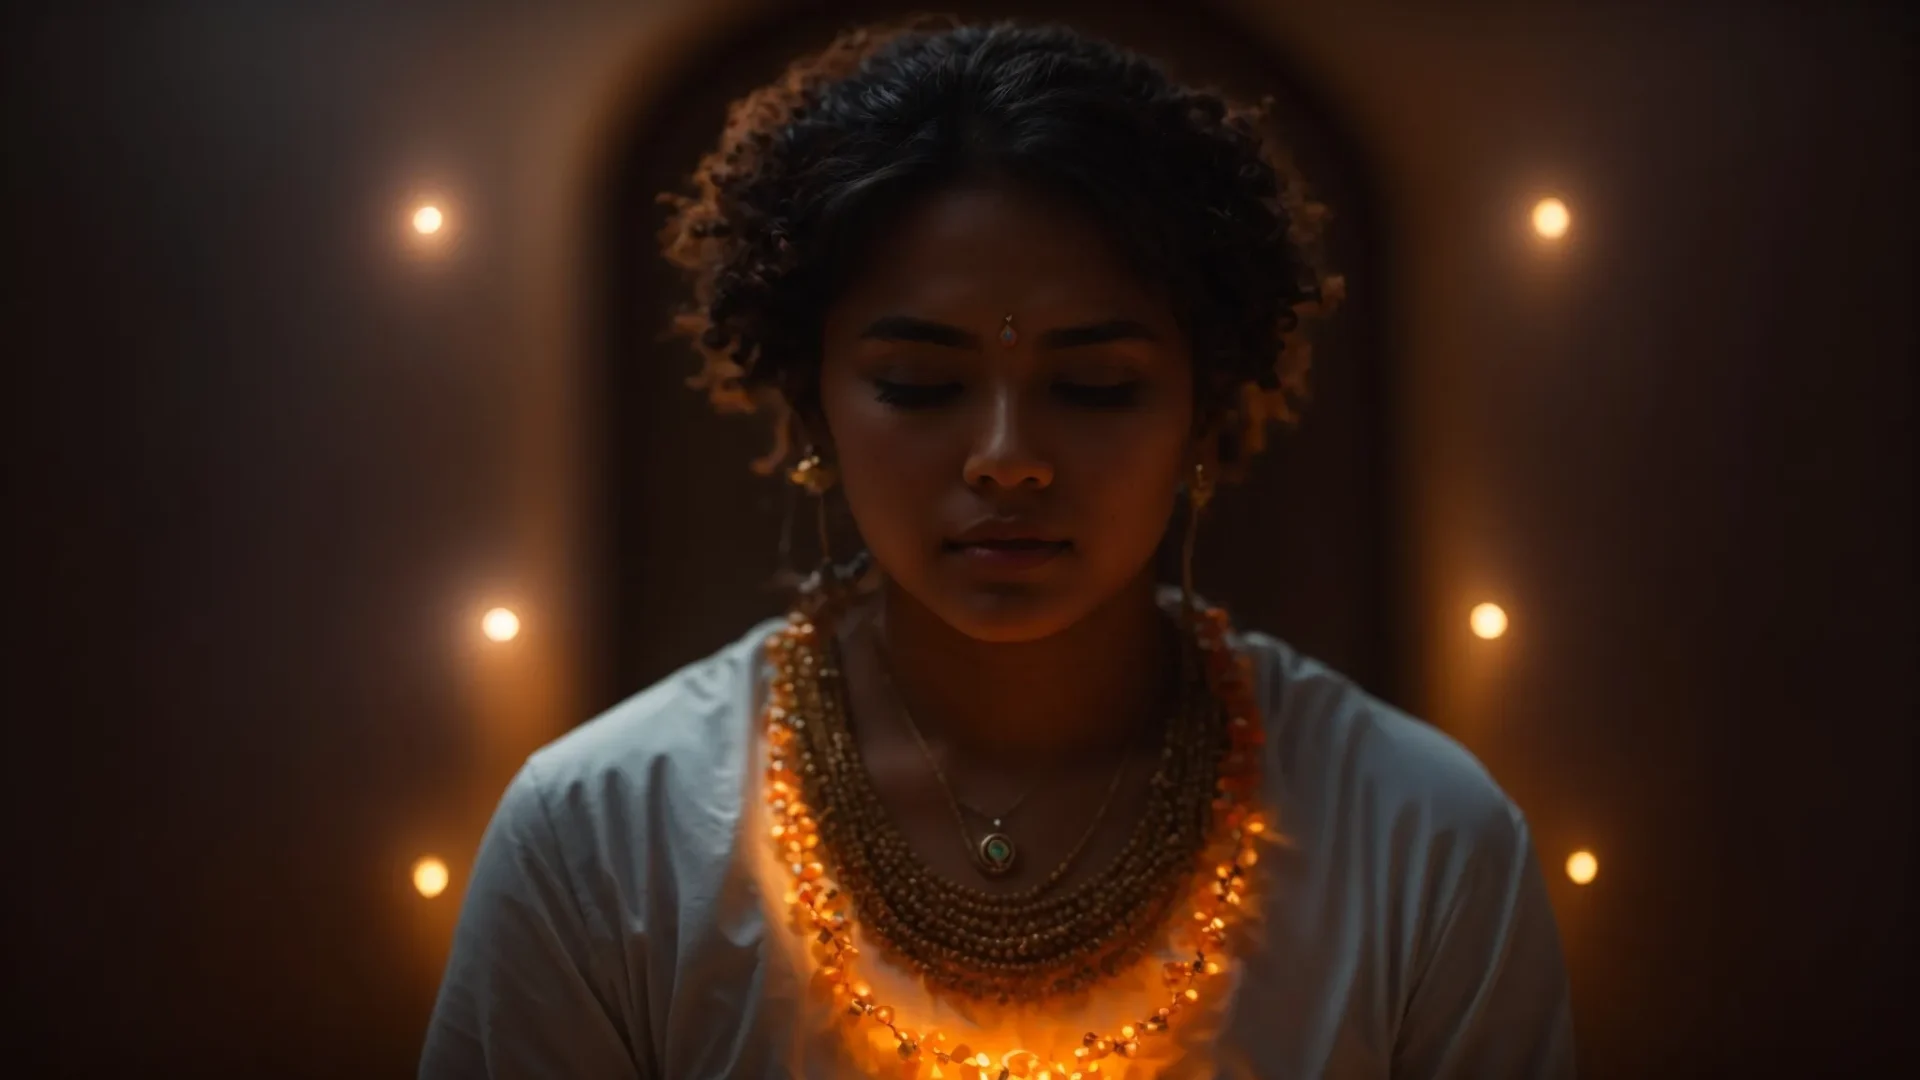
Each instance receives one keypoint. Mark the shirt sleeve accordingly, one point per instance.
(519, 998)
(1492, 1000)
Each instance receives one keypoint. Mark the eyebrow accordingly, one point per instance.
(919, 331)
(1070, 337)
(907, 328)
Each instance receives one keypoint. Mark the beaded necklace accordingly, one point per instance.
(813, 774)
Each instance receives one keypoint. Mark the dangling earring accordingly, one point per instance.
(833, 582)
(1199, 494)
(814, 476)
(812, 473)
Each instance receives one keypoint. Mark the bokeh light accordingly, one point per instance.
(428, 220)
(430, 876)
(1489, 621)
(1582, 867)
(500, 624)
(1551, 218)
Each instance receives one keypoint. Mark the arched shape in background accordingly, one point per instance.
(686, 536)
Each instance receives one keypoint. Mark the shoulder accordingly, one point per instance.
(1408, 873)
(645, 760)
(1338, 750)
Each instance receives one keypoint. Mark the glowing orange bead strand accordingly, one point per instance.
(1220, 898)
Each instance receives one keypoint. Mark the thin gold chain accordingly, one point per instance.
(953, 801)
(811, 756)
(1009, 811)
(932, 761)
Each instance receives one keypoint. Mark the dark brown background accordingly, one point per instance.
(267, 464)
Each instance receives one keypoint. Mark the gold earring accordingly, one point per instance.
(1200, 488)
(812, 473)
(1199, 494)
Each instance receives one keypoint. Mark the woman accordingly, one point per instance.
(990, 802)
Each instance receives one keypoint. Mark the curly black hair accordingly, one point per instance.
(1202, 201)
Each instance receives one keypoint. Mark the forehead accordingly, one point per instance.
(994, 248)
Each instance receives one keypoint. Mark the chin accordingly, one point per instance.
(1008, 615)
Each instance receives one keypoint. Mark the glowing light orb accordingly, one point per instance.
(1582, 867)
(500, 624)
(430, 876)
(427, 220)
(1488, 621)
(1551, 219)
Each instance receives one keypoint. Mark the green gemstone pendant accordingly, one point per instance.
(997, 854)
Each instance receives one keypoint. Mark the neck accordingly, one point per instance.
(1083, 690)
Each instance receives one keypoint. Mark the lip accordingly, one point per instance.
(1005, 530)
(1010, 556)
(1004, 546)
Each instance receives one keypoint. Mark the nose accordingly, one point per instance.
(1003, 455)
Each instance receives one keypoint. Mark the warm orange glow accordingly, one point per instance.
(1582, 867)
(816, 905)
(430, 876)
(1551, 218)
(428, 220)
(500, 624)
(1489, 621)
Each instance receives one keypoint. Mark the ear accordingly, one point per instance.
(793, 434)
(804, 418)
(810, 432)
(1204, 447)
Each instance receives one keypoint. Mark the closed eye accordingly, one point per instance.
(914, 395)
(1098, 395)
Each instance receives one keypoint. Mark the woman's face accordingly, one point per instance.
(1010, 488)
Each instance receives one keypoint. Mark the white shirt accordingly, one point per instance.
(622, 920)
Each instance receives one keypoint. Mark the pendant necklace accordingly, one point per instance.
(995, 854)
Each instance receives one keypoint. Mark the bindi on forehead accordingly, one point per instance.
(954, 267)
